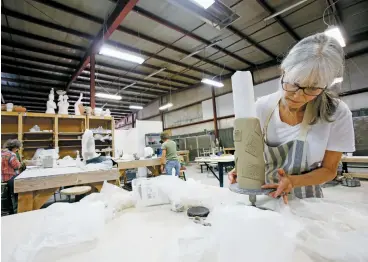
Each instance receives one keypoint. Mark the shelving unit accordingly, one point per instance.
(107, 123)
(67, 131)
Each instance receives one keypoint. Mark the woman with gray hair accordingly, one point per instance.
(306, 128)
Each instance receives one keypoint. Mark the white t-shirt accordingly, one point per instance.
(334, 136)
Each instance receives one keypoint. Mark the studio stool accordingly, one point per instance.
(182, 175)
(77, 191)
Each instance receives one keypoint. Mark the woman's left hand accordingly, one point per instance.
(284, 186)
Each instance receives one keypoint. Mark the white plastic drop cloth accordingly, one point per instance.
(63, 229)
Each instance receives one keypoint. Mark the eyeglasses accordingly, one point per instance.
(309, 91)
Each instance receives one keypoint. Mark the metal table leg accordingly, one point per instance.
(221, 173)
(213, 172)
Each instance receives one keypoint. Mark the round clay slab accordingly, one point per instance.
(198, 212)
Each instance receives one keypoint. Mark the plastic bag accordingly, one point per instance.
(63, 229)
(114, 199)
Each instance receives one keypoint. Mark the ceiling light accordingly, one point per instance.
(132, 84)
(284, 10)
(337, 80)
(335, 33)
(204, 3)
(136, 107)
(108, 96)
(155, 73)
(212, 82)
(113, 52)
(166, 106)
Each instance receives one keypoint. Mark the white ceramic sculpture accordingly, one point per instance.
(64, 105)
(88, 146)
(60, 103)
(51, 105)
(107, 112)
(76, 105)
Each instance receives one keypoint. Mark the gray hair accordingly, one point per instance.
(12, 143)
(316, 61)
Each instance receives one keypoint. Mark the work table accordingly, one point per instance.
(145, 233)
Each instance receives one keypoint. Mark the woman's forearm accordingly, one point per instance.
(315, 177)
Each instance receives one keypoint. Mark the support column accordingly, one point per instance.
(133, 121)
(214, 112)
(92, 87)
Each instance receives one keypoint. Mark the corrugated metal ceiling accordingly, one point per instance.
(44, 41)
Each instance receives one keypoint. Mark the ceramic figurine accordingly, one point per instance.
(65, 105)
(60, 104)
(51, 105)
(107, 112)
(77, 107)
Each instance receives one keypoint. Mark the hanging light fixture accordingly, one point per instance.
(136, 107)
(335, 33)
(114, 52)
(165, 106)
(109, 96)
(212, 82)
(155, 73)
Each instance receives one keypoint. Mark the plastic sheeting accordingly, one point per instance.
(63, 229)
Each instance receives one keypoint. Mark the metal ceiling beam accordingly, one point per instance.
(36, 83)
(21, 33)
(120, 11)
(26, 72)
(166, 23)
(31, 19)
(36, 59)
(44, 23)
(131, 32)
(279, 20)
(251, 41)
(33, 66)
(61, 55)
(37, 49)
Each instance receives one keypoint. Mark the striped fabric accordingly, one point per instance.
(292, 157)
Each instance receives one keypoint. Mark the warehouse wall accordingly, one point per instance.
(197, 101)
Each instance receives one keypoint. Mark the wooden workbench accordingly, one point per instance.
(354, 159)
(152, 164)
(35, 188)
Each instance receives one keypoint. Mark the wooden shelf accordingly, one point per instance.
(38, 133)
(8, 134)
(108, 118)
(71, 116)
(70, 139)
(37, 140)
(77, 146)
(70, 133)
(6, 113)
(29, 114)
(34, 147)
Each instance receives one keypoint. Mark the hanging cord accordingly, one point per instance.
(327, 8)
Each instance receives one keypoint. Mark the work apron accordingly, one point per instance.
(291, 156)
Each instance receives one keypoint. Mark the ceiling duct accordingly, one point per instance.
(217, 15)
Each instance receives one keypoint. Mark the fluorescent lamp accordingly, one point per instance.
(136, 107)
(284, 10)
(166, 106)
(335, 33)
(132, 84)
(204, 3)
(212, 82)
(108, 96)
(155, 73)
(337, 80)
(113, 52)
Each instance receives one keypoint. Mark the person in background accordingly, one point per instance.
(169, 156)
(10, 166)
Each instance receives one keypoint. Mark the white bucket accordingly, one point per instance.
(9, 107)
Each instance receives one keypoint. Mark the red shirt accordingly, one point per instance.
(9, 165)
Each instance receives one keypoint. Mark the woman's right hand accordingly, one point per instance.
(232, 176)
